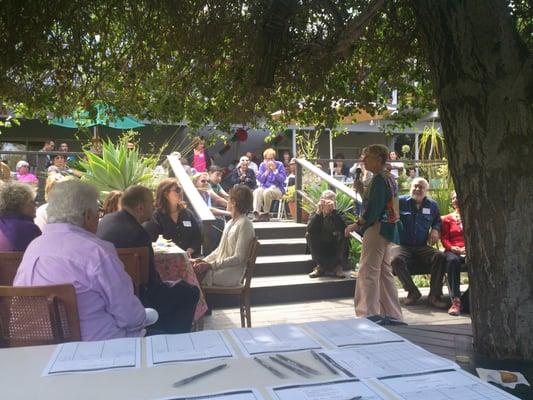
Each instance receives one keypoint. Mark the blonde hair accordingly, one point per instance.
(269, 152)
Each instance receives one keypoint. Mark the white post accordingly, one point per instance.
(294, 142)
(331, 164)
(417, 151)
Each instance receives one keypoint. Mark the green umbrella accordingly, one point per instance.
(105, 115)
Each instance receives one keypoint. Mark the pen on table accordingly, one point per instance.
(324, 363)
(355, 398)
(199, 375)
(298, 365)
(271, 369)
(289, 366)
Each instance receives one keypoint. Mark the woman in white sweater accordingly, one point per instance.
(226, 264)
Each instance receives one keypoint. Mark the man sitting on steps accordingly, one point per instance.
(325, 237)
(421, 221)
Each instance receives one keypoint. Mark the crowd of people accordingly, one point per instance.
(72, 238)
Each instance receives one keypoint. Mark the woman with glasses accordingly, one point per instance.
(243, 175)
(172, 220)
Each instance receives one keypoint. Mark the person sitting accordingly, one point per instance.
(271, 178)
(291, 177)
(325, 237)
(174, 301)
(68, 251)
(243, 175)
(286, 158)
(252, 165)
(17, 210)
(59, 167)
(173, 220)
(396, 166)
(340, 169)
(421, 221)
(41, 217)
(218, 194)
(225, 266)
(111, 202)
(453, 240)
(23, 173)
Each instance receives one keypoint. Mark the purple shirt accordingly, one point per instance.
(272, 179)
(16, 231)
(67, 253)
(28, 178)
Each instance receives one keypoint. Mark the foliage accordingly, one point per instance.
(354, 252)
(117, 167)
(432, 144)
(343, 202)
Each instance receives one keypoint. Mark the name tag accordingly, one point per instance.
(187, 224)
(426, 211)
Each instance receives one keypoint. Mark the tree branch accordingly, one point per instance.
(354, 29)
(335, 12)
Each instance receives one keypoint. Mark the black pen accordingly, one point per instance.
(324, 363)
(298, 365)
(264, 364)
(200, 375)
(289, 366)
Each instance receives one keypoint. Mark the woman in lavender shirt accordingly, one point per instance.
(271, 178)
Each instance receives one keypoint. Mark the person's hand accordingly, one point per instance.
(272, 166)
(202, 265)
(190, 252)
(196, 261)
(434, 236)
(350, 228)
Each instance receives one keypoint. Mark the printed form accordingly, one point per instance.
(273, 339)
(336, 390)
(351, 332)
(95, 356)
(448, 385)
(386, 359)
(245, 394)
(204, 345)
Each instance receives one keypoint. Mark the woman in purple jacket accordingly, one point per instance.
(271, 177)
(17, 210)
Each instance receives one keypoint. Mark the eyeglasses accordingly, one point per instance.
(176, 189)
(203, 181)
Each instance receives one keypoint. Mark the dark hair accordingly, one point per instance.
(339, 156)
(135, 195)
(243, 198)
(111, 202)
(48, 141)
(215, 168)
(55, 155)
(161, 202)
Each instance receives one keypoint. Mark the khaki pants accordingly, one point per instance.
(263, 198)
(375, 291)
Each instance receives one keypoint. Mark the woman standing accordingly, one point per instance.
(199, 159)
(375, 291)
(226, 265)
(172, 220)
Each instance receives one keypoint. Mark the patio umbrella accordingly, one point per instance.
(105, 115)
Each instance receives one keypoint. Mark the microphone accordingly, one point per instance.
(358, 172)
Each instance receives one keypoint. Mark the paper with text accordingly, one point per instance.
(387, 359)
(245, 394)
(95, 356)
(353, 331)
(273, 339)
(337, 390)
(449, 385)
(204, 345)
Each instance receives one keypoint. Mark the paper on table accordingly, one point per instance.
(244, 394)
(273, 339)
(95, 356)
(444, 386)
(202, 345)
(387, 359)
(334, 390)
(353, 332)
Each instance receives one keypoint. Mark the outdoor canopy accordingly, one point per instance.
(105, 115)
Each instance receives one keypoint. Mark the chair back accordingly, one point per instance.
(38, 315)
(9, 263)
(136, 262)
(250, 264)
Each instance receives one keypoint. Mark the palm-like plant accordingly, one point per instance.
(117, 168)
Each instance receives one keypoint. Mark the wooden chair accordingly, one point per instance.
(136, 263)
(243, 290)
(38, 315)
(9, 263)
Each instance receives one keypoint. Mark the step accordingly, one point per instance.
(289, 264)
(289, 289)
(279, 229)
(275, 247)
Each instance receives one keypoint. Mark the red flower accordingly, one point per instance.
(241, 134)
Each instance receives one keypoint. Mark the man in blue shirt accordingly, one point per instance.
(421, 221)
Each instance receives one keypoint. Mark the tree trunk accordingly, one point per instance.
(481, 77)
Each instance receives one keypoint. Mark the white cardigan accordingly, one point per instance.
(229, 258)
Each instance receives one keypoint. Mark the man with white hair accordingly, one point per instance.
(421, 221)
(325, 237)
(68, 251)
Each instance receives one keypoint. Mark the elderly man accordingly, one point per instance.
(174, 302)
(325, 237)
(68, 251)
(421, 221)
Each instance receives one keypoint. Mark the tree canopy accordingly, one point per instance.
(227, 61)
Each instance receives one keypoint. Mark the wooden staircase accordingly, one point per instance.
(282, 268)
